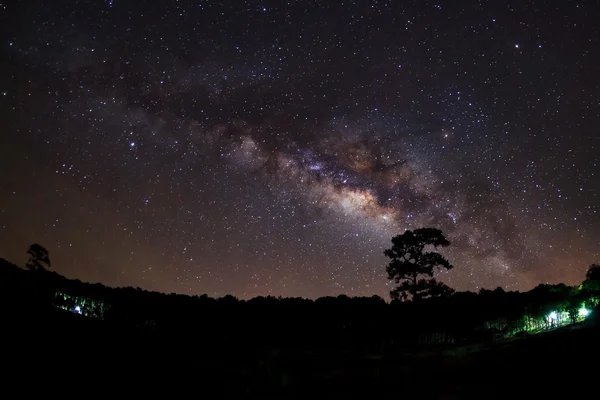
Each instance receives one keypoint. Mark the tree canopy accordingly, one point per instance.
(592, 278)
(39, 257)
(412, 266)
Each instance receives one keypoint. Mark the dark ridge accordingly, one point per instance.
(132, 339)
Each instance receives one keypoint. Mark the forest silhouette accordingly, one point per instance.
(288, 345)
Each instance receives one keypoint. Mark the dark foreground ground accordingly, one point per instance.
(58, 353)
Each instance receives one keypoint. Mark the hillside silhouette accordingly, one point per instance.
(456, 345)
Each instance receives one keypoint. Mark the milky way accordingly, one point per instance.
(261, 148)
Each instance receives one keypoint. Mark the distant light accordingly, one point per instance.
(584, 312)
(516, 46)
(77, 309)
(552, 316)
(132, 144)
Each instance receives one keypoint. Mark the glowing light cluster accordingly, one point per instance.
(583, 312)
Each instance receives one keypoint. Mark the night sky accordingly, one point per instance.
(274, 148)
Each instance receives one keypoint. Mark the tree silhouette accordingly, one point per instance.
(412, 267)
(592, 278)
(593, 272)
(38, 257)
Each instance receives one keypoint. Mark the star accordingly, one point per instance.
(283, 148)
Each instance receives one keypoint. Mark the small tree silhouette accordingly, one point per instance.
(412, 267)
(38, 257)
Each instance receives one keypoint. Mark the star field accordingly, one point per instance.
(274, 148)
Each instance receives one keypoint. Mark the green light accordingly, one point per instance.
(583, 312)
